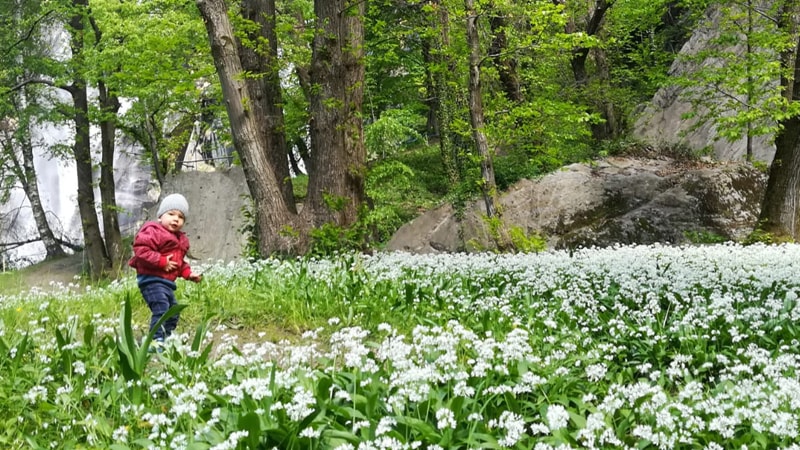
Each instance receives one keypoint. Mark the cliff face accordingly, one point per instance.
(613, 201)
(661, 121)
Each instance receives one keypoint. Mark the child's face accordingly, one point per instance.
(172, 220)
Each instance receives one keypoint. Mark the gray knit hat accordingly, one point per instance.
(173, 201)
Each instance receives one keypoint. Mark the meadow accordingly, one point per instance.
(630, 347)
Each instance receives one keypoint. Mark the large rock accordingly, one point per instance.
(216, 201)
(616, 200)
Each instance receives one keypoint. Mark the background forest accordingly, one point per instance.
(368, 112)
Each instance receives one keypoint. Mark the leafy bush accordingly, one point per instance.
(394, 130)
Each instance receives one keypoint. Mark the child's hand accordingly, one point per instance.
(171, 265)
(195, 277)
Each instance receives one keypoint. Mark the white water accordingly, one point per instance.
(58, 186)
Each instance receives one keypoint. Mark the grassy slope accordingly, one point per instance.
(62, 270)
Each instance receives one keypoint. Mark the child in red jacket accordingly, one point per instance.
(159, 249)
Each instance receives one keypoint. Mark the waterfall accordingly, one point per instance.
(58, 186)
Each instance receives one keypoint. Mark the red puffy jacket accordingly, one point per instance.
(151, 246)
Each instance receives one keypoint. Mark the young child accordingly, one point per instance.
(159, 249)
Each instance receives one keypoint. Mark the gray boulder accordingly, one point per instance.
(615, 200)
(215, 220)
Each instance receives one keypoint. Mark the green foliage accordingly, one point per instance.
(538, 136)
(249, 229)
(514, 166)
(133, 358)
(733, 82)
(510, 239)
(300, 187)
(330, 239)
(761, 236)
(396, 196)
(394, 130)
(526, 243)
(456, 351)
(429, 175)
(703, 237)
(641, 45)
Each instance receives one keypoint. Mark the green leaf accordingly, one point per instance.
(252, 424)
(420, 427)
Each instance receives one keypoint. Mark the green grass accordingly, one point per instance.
(11, 282)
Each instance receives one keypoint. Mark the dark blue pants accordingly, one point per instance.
(160, 298)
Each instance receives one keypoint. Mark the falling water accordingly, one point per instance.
(58, 186)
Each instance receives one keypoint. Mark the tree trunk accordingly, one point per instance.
(109, 105)
(260, 57)
(302, 155)
(579, 55)
(336, 187)
(432, 120)
(279, 231)
(25, 171)
(94, 250)
(506, 66)
(488, 186)
(444, 93)
(613, 120)
(182, 133)
(780, 209)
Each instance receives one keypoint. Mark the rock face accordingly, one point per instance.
(616, 200)
(215, 219)
(661, 121)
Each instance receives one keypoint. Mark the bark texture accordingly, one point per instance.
(336, 187)
(94, 250)
(780, 211)
(109, 104)
(260, 58)
(278, 230)
(25, 172)
(488, 185)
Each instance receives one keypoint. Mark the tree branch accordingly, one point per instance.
(34, 80)
(29, 33)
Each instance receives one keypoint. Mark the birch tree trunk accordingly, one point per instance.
(24, 170)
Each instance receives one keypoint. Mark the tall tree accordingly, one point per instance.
(259, 54)
(337, 160)
(109, 106)
(780, 210)
(19, 109)
(18, 158)
(336, 187)
(94, 249)
(272, 216)
(506, 64)
(726, 82)
(488, 185)
(445, 96)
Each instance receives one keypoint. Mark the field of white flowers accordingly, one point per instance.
(629, 347)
